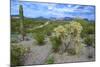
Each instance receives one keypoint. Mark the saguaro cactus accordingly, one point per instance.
(21, 21)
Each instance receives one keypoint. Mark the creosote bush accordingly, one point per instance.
(39, 37)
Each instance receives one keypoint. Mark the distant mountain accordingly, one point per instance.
(41, 18)
(89, 20)
(86, 19)
(68, 18)
(50, 18)
(15, 16)
(53, 18)
(65, 18)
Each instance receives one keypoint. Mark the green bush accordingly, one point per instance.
(88, 27)
(89, 40)
(56, 42)
(87, 30)
(39, 37)
(50, 60)
(17, 54)
(90, 30)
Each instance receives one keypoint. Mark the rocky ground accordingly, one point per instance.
(83, 57)
(39, 54)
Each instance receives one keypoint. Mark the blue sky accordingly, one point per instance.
(47, 10)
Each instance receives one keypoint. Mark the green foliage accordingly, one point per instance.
(89, 41)
(70, 30)
(88, 30)
(56, 42)
(15, 25)
(17, 53)
(88, 27)
(39, 37)
(50, 60)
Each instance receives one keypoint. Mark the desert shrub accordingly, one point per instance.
(90, 30)
(17, 54)
(89, 41)
(14, 25)
(14, 41)
(50, 60)
(56, 42)
(39, 37)
(14, 38)
(87, 30)
(71, 51)
(88, 27)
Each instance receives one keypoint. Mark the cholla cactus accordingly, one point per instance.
(75, 27)
(59, 31)
(69, 33)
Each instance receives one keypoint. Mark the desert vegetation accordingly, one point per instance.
(18, 52)
(62, 37)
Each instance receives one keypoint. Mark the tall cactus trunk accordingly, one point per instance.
(22, 30)
(21, 22)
